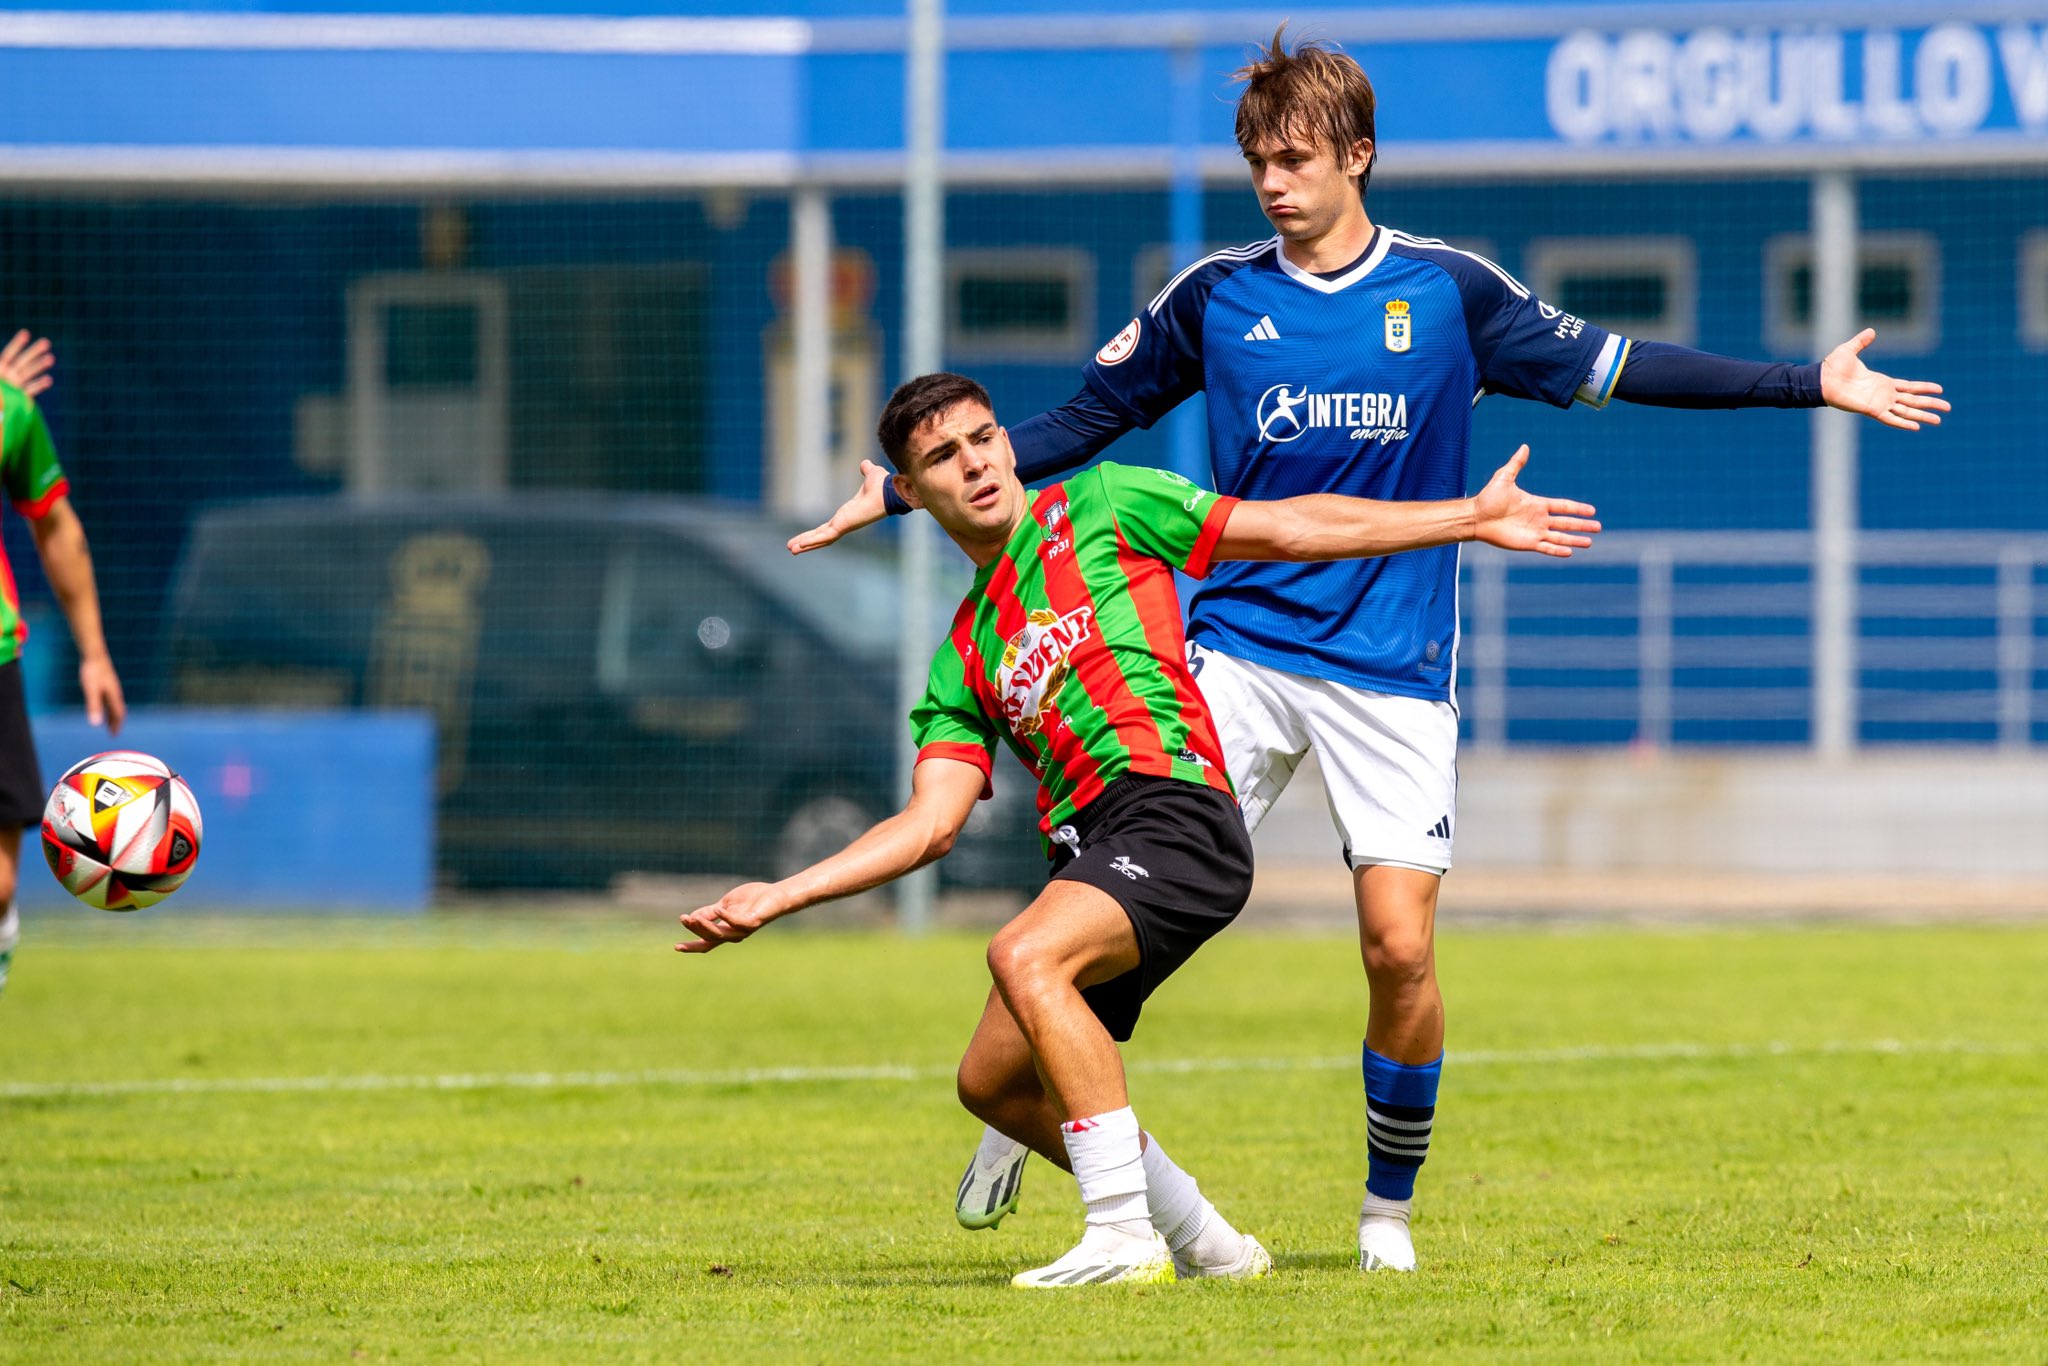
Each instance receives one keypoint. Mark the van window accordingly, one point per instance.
(672, 621)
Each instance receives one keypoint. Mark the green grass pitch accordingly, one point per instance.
(1771, 1145)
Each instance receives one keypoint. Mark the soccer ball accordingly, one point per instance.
(121, 831)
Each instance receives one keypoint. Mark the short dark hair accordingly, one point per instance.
(917, 402)
(1313, 91)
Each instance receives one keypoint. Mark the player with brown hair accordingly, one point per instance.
(1345, 355)
(1068, 649)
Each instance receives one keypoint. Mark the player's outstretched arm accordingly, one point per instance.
(1052, 443)
(863, 509)
(26, 362)
(1505, 515)
(1328, 526)
(1847, 383)
(943, 794)
(67, 563)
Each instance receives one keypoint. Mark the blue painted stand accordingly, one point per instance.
(303, 811)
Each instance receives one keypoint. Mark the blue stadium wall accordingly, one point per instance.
(188, 331)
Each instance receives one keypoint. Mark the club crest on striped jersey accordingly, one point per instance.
(1058, 531)
(1035, 665)
(1400, 325)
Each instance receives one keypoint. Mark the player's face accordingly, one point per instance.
(960, 468)
(1304, 187)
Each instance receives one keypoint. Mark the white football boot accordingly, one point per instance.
(1251, 1262)
(10, 935)
(1104, 1257)
(993, 1183)
(1383, 1241)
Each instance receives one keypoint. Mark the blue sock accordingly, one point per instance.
(1400, 1107)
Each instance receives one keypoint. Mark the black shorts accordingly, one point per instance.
(21, 777)
(1177, 858)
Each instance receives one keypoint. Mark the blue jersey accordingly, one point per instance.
(1362, 385)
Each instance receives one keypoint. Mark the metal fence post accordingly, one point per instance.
(1834, 515)
(806, 485)
(924, 245)
(1187, 429)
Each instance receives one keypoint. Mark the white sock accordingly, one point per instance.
(1379, 1207)
(1178, 1209)
(1111, 1171)
(995, 1146)
(1184, 1217)
(10, 928)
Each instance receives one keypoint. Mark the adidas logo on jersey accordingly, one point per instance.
(1265, 331)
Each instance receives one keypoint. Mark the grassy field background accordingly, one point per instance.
(478, 1140)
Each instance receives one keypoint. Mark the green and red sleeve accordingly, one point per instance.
(948, 721)
(1165, 516)
(28, 458)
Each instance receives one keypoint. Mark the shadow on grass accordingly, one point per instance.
(951, 1274)
(1315, 1261)
(931, 1273)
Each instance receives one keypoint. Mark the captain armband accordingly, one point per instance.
(1604, 373)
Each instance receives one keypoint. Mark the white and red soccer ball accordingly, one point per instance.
(121, 831)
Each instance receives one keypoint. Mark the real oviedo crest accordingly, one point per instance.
(1400, 327)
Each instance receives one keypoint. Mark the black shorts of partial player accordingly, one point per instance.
(1176, 857)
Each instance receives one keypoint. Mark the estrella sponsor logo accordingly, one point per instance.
(1035, 665)
(1287, 413)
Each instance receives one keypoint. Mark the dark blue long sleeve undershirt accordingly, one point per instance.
(1666, 376)
(1656, 374)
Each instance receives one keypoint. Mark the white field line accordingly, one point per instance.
(785, 1076)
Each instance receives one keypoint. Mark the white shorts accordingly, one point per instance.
(1390, 763)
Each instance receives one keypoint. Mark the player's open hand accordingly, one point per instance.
(100, 686)
(1847, 383)
(863, 509)
(1504, 515)
(26, 362)
(732, 917)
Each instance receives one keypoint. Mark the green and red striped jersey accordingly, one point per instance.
(34, 482)
(1070, 647)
